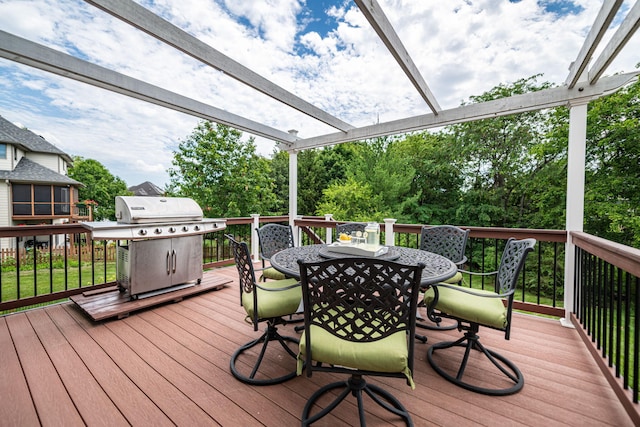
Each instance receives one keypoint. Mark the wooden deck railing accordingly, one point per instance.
(55, 271)
(606, 301)
(542, 287)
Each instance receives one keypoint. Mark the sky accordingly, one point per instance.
(324, 51)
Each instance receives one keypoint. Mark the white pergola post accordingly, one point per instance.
(576, 157)
(293, 190)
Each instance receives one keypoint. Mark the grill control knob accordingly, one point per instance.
(172, 229)
(142, 232)
(185, 228)
(196, 228)
(158, 231)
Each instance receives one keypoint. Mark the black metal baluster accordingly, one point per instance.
(619, 326)
(636, 343)
(66, 263)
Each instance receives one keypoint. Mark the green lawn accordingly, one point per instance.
(49, 280)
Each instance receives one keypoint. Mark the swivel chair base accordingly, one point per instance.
(355, 385)
(470, 341)
(270, 334)
(431, 326)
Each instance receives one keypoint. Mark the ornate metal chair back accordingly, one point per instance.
(361, 299)
(446, 240)
(350, 228)
(272, 238)
(244, 264)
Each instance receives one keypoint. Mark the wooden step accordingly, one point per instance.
(110, 302)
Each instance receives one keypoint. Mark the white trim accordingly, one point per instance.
(576, 155)
(293, 194)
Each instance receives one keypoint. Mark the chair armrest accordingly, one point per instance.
(471, 291)
(475, 273)
(286, 288)
(462, 262)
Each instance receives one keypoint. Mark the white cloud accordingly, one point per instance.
(462, 49)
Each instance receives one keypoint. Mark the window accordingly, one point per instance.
(21, 193)
(61, 200)
(3, 151)
(42, 193)
(40, 200)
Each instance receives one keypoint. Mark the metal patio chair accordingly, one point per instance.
(473, 308)
(450, 242)
(359, 321)
(266, 302)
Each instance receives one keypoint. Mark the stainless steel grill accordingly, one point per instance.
(163, 249)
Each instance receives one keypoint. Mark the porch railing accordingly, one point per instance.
(606, 300)
(541, 289)
(67, 261)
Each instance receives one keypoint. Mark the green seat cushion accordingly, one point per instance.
(273, 274)
(477, 309)
(274, 303)
(389, 354)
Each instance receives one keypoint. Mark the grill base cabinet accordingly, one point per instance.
(154, 264)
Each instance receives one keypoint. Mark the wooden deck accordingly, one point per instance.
(169, 365)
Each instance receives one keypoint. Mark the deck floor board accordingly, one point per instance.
(169, 365)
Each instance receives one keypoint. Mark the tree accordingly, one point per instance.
(280, 179)
(222, 173)
(546, 186)
(376, 182)
(352, 201)
(317, 170)
(437, 182)
(612, 186)
(389, 173)
(498, 161)
(99, 185)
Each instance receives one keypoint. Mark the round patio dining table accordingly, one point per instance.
(437, 268)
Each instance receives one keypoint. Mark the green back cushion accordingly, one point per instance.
(274, 303)
(485, 311)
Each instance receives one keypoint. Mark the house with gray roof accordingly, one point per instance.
(146, 189)
(36, 187)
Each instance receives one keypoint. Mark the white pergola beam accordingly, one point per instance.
(147, 21)
(627, 29)
(601, 24)
(35, 55)
(549, 98)
(378, 20)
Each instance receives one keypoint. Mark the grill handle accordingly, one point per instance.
(174, 257)
(168, 264)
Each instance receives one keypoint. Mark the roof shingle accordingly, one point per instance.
(12, 134)
(29, 171)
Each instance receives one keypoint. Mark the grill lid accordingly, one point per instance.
(146, 210)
